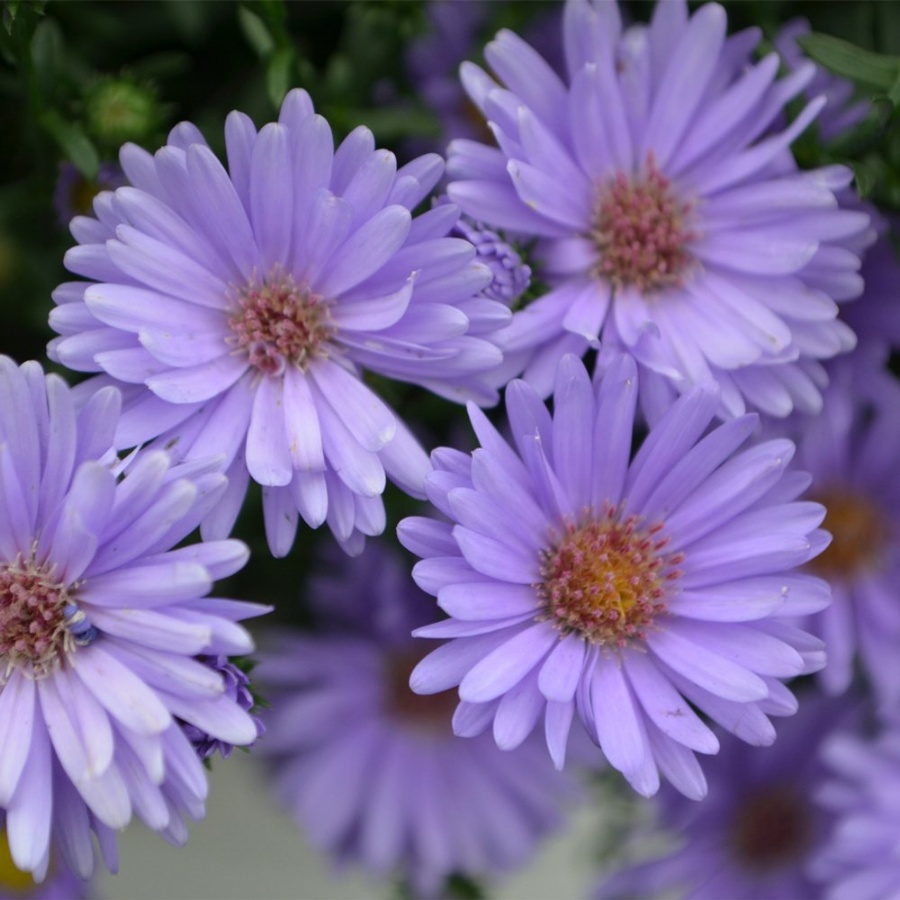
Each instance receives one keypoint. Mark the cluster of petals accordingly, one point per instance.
(762, 826)
(240, 308)
(670, 218)
(859, 861)
(852, 452)
(100, 622)
(371, 772)
(727, 537)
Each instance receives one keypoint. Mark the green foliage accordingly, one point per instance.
(874, 71)
(74, 143)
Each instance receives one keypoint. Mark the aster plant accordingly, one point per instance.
(100, 621)
(762, 826)
(372, 772)
(242, 307)
(578, 582)
(859, 861)
(852, 451)
(671, 219)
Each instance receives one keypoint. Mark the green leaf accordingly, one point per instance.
(866, 175)
(874, 70)
(74, 143)
(256, 31)
(47, 55)
(389, 123)
(279, 70)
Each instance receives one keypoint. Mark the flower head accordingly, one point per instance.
(74, 194)
(510, 275)
(875, 316)
(371, 771)
(100, 622)
(242, 307)
(859, 861)
(759, 829)
(669, 221)
(852, 456)
(577, 581)
(236, 684)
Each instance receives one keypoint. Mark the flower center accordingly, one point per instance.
(278, 322)
(860, 534)
(607, 579)
(38, 619)
(772, 827)
(428, 712)
(640, 228)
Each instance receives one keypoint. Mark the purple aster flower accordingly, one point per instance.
(860, 860)
(842, 111)
(74, 194)
(852, 451)
(236, 683)
(433, 61)
(626, 592)
(243, 306)
(759, 829)
(99, 624)
(670, 223)
(454, 31)
(372, 772)
(875, 316)
(510, 275)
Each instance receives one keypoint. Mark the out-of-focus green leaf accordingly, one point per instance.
(873, 70)
(19, 12)
(867, 132)
(339, 77)
(279, 70)
(47, 50)
(867, 176)
(256, 31)
(389, 123)
(74, 143)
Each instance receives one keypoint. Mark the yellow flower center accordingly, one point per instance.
(607, 579)
(860, 534)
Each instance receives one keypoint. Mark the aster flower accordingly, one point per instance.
(759, 829)
(244, 306)
(875, 316)
(860, 861)
(99, 624)
(236, 683)
(670, 222)
(579, 582)
(373, 773)
(74, 194)
(433, 60)
(454, 31)
(510, 274)
(852, 451)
